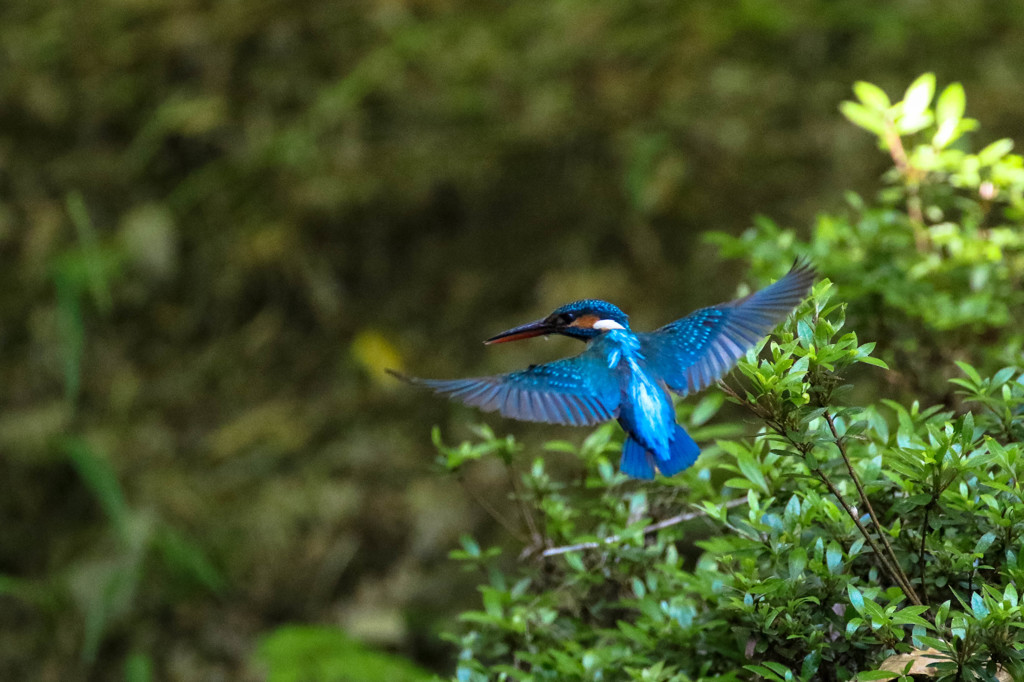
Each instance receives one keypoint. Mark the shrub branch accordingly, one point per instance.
(898, 573)
(653, 528)
(887, 559)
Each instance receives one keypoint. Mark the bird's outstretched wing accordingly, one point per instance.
(577, 391)
(691, 353)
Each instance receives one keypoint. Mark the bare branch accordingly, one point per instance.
(653, 528)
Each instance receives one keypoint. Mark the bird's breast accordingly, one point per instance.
(647, 411)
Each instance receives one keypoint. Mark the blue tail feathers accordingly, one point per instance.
(636, 461)
(639, 462)
(683, 452)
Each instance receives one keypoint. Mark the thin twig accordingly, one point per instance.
(653, 528)
(908, 588)
(920, 561)
(896, 149)
(895, 573)
(535, 534)
(911, 174)
(493, 512)
(882, 558)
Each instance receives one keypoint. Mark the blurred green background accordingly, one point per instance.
(220, 220)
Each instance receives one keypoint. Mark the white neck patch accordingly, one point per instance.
(607, 324)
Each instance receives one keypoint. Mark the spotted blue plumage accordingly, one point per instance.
(576, 391)
(626, 376)
(691, 353)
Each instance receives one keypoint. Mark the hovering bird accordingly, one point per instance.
(627, 375)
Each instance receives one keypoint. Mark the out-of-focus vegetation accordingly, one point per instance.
(301, 653)
(845, 540)
(219, 221)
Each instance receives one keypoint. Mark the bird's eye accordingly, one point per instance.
(565, 318)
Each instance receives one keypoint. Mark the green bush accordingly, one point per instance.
(825, 529)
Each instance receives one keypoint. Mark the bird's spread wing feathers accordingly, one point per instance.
(691, 353)
(577, 391)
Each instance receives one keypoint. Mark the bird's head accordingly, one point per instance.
(583, 320)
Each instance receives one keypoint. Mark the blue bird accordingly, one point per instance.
(627, 375)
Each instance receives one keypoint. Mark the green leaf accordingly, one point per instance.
(804, 331)
(911, 616)
(908, 124)
(764, 672)
(1003, 376)
(95, 269)
(971, 373)
(597, 441)
(797, 563)
(792, 511)
(871, 95)
(101, 480)
(778, 668)
(189, 559)
(833, 557)
(951, 104)
(752, 470)
(994, 152)
(948, 111)
(933, 642)
(919, 95)
(707, 408)
(865, 118)
(984, 542)
(853, 625)
(856, 597)
(877, 362)
(978, 606)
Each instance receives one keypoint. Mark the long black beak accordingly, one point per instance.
(525, 331)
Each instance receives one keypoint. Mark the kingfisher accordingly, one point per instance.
(626, 375)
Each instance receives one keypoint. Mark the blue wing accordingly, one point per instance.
(577, 391)
(691, 353)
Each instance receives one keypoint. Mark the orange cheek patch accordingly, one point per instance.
(585, 321)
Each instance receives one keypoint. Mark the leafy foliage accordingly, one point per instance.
(823, 536)
(936, 261)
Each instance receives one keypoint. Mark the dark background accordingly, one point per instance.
(221, 220)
